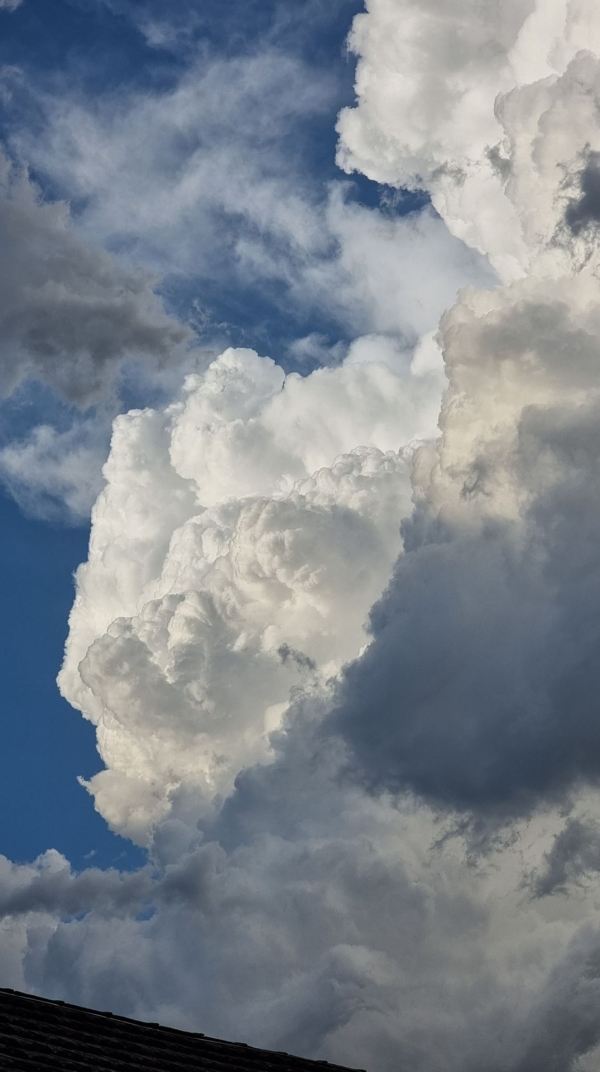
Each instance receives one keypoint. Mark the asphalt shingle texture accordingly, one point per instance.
(39, 1034)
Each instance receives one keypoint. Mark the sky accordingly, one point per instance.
(299, 444)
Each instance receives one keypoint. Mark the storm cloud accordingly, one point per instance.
(479, 688)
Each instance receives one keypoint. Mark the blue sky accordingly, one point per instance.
(46, 746)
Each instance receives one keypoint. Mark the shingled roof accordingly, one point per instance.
(37, 1034)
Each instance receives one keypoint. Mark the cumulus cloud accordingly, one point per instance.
(70, 314)
(477, 114)
(216, 195)
(50, 886)
(338, 933)
(484, 644)
(242, 536)
(483, 650)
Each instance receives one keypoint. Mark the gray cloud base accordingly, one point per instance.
(479, 688)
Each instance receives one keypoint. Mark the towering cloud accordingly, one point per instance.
(241, 539)
(480, 686)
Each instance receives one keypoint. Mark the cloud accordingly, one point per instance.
(10, 5)
(215, 214)
(56, 475)
(70, 314)
(476, 690)
(48, 886)
(564, 1025)
(573, 856)
(305, 27)
(234, 554)
(212, 212)
(215, 143)
(256, 517)
(340, 648)
(476, 116)
(390, 275)
(584, 211)
(339, 933)
(212, 184)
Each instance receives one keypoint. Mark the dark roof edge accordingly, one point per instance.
(170, 1030)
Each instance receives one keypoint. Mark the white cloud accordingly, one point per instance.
(390, 275)
(159, 168)
(202, 181)
(470, 103)
(291, 907)
(56, 475)
(242, 536)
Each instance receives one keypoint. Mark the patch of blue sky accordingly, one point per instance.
(45, 744)
(32, 403)
(98, 48)
(315, 29)
(262, 317)
(85, 45)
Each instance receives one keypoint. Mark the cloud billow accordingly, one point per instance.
(479, 688)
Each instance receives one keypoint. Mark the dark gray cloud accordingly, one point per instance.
(565, 1022)
(69, 314)
(575, 855)
(49, 886)
(583, 211)
(479, 690)
(441, 703)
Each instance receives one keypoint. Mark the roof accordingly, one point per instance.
(36, 1033)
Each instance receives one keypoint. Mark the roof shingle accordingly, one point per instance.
(36, 1034)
